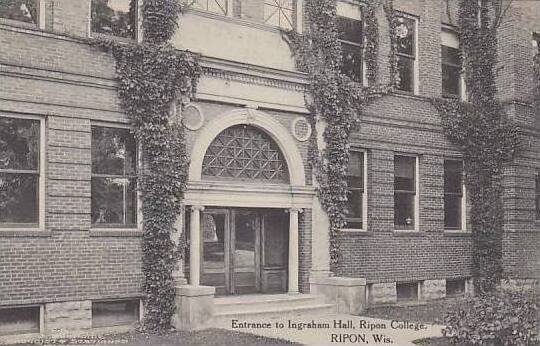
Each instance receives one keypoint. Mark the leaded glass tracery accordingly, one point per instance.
(245, 153)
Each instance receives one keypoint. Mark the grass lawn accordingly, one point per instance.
(217, 337)
(431, 313)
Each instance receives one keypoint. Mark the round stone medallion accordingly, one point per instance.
(192, 117)
(301, 129)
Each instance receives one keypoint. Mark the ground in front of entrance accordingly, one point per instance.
(212, 337)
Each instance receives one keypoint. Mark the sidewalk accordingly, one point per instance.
(336, 329)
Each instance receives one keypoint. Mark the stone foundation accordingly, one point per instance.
(66, 317)
(194, 307)
(433, 289)
(347, 294)
(382, 293)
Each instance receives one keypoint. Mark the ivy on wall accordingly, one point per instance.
(487, 138)
(336, 101)
(152, 77)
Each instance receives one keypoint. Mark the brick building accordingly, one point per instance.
(70, 225)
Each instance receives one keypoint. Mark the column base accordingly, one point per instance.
(347, 294)
(194, 307)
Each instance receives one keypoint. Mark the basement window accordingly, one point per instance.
(455, 287)
(407, 291)
(115, 313)
(19, 320)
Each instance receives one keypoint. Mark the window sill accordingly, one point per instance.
(115, 232)
(24, 232)
(408, 233)
(19, 24)
(354, 231)
(120, 39)
(457, 233)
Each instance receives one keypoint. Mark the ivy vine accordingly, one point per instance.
(335, 100)
(485, 135)
(152, 77)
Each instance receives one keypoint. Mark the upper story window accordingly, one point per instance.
(454, 195)
(452, 81)
(349, 25)
(114, 180)
(537, 195)
(114, 17)
(280, 13)
(20, 10)
(21, 175)
(405, 192)
(406, 40)
(214, 6)
(357, 197)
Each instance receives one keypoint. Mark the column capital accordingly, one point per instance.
(295, 210)
(197, 208)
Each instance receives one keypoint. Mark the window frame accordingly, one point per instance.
(41, 320)
(137, 36)
(232, 16)
(139, 225)
(40, 23)
(416, 70)
(126, 299)
(354, 44)
(463, 204)
(40, 226)
(416, 199)
(364, 194)
(446, 32)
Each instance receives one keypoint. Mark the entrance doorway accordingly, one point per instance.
(244, 250)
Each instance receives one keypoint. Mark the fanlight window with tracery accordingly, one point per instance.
(245, 153)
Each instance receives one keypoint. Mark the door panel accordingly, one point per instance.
(215, 234)
(275, 251)
(245, 251)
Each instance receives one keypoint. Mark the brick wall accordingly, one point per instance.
(72, 85)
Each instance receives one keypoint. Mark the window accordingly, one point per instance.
(214, 6)
(451, 65)
(537, 195)
(244, 152)
(536, 42)
(454, 201)
(407, 291)
(356, 181)
(455, 287)
(20, 10)
(115, 17)
(405, 194)
(349, 25)
(20, 172)
(20, 320)
(280, 13)
(115, 313)
(406, 52)
(114, 169)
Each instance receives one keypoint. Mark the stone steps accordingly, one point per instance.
(268, 307)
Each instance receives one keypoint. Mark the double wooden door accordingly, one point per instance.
(244, 250)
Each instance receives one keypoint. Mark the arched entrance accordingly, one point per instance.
(246, 189)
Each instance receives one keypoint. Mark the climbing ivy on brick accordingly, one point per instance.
(488, 139)
(336, 100)
(152, 77)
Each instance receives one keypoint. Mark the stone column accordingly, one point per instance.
(293, 250)
(320, 242)
(195, 245)
(176, 235)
